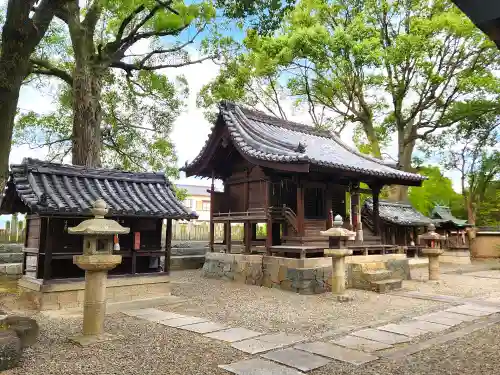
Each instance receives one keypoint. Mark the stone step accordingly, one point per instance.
(384, 286)
(377, 275)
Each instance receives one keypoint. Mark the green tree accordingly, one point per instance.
(472, 149)
(437, 189)
(264, 15)
(118, 107)
(24, 24)
(389, 67)
(488, 213)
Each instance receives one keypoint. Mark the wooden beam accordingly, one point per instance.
(168, 246)
(227, 236)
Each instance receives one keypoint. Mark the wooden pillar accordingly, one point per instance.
(253, 227)
(212, 226)
(247, 240)
(269, 222)
(328, 204)
(227, 236)
(376, 214)
(300, 209)
(47, 259)
(168, 246)
(355, 207)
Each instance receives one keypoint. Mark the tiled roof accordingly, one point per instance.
(442, 214)
(50, 188)
(400, 213)
(268, 138)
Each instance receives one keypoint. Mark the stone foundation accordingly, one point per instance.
(486, 245)
(67, 294)
(303, 276)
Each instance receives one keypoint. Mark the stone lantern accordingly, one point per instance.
(337, 243)
(97, 260)
(433, 243)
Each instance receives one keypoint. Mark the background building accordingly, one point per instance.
(197, 199)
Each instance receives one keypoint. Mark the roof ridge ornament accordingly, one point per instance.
(301, 147)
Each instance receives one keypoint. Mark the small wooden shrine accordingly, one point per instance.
(448, 225)
(400, 222)
(56, 197)
(290, 176)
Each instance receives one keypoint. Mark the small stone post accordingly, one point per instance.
(97, 260)
(337, 250)
(433, 249)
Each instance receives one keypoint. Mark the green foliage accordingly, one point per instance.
(488, 213)
(437, 189)
(388, 67)
(263, 15)
(125, 44)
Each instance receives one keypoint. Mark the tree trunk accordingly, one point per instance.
(20, 35)
(405, 150)
(87, 115)
(10, 83)
(372, 139)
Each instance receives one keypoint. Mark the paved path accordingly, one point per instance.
(285, 354)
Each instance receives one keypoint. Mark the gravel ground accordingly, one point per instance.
(271, 310)
(144, 348)
(474, 354)
(455, 281)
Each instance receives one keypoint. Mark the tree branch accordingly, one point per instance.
(45, 68)
(130, 67)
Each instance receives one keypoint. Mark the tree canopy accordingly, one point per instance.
(117, 101)
(407, 68)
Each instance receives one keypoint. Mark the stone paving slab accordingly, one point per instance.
(336, 352)
(428, 326)
(254, 346)
(381, 336)
(258, 366)
(204, 327)
(359, 343)
(282, 338)
(403, 329)
(184, 321)
(473, 306)
(155, 315)
(233, 334)
(437, 318)
(467, 311)
(298, 359)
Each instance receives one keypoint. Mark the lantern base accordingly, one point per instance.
(87, 340)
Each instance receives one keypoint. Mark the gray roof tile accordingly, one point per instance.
(269, 138)
(400, 213)
(50, 188)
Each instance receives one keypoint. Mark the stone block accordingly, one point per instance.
(10, 350)
(359, 343)
(298, 359)
(381, 336)
(258, 366)
(184, 321)
(233, 334)
(25, 328)
(204, 327)
(384, 286)
(337, 352)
